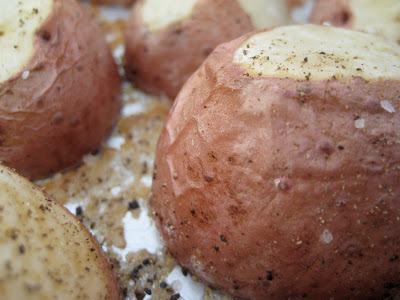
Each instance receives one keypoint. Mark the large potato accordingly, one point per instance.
(59, 85)
(277, 171)
(46, 253)
(166, 41)
(371, 16)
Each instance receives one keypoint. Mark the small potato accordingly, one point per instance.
(46, 253)
(370, 16)
(277, 171)
(166, 41)
(59, 86)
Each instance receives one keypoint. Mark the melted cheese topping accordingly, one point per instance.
(312, 52)
(266, 13)
(158, 14)
(378, 17)
(19, 20)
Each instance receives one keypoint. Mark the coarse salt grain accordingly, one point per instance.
(386, 105)
(277, 182)
(326, 237)
(25, 75)
(360, 123)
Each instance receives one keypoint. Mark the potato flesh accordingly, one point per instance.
(377, 17)
(46, 253)
(325, 53)
(18, 25)
(265, 13)
(160, 14)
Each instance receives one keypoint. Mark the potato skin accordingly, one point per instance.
(124, 3)
(158, 62)
(336, 12)
(254, 176)
(70, 100)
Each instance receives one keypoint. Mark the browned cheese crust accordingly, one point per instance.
(264, 187)
(47, 253)
(69, 102)
(158, 62)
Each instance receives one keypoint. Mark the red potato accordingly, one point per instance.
(277, 171)
(125, 3)
(376, 17)
(59, 86)
(167, 41)
(46, 252)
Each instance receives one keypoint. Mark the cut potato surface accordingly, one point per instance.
(278, 185)
(376, 17)
(46, 253)
(19, 21)
(318, 53)
(59, 93)
(160, 14)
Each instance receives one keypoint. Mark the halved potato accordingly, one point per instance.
(46, 252)
(376, 17)
(59, 85)
(277, 171)
(166, 41)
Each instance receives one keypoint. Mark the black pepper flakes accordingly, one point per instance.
(175, 296)
(216, 248)
(22, 249)
(340, 147)
(394, 258)
(163, 284)
(136, 271)
(270, 277)
(134, 204)
(222, 237)
(147, 291)
(79, 211)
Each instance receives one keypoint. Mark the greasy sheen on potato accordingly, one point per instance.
(376, 17)
(46, 252)
(277, 171)
(166, 41)
(59, 86)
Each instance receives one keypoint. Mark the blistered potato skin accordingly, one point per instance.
(158, 63)
(264, 187)
(68, 103)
